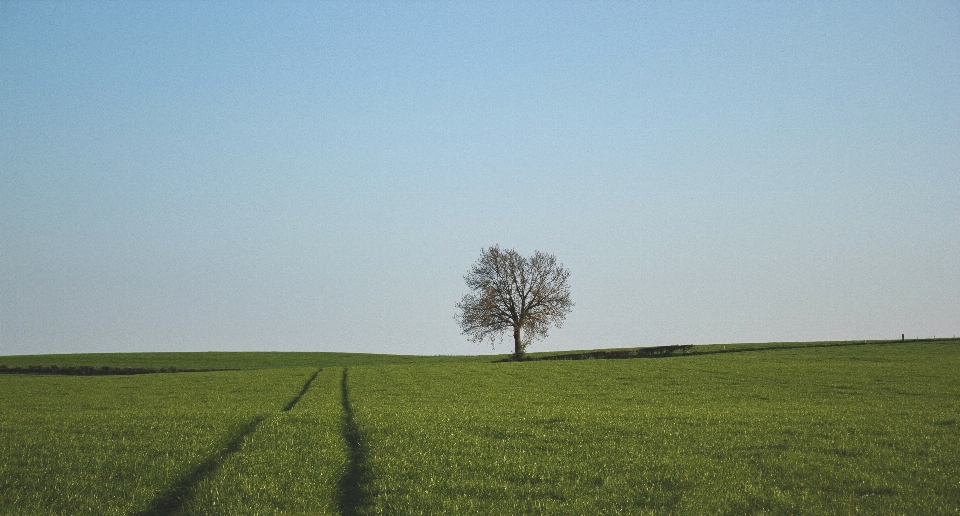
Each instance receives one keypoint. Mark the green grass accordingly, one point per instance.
(292, 463)
(871, 428)
(227, 360)
(112, 444)
(821, 430)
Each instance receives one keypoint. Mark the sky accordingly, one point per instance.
(319, 176)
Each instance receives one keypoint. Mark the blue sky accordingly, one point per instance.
(301, 176)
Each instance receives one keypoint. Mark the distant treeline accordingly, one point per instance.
(689, 349)
(648, 352)
(92, 370)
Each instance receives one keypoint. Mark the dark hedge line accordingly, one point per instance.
(650, 352)
(653, 351)
(93, 371)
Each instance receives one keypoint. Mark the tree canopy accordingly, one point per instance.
(509, 291)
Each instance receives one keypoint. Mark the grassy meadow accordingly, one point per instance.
(769, 429)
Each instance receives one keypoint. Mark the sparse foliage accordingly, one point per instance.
(510, 291)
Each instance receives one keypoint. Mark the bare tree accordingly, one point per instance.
(510, 291)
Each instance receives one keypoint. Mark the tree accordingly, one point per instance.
(510, 291)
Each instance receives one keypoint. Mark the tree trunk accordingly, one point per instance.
(517, 346)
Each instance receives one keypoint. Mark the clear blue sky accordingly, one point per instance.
(320, 176)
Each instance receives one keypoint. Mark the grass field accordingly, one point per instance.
(807, 429)
(228, 360)
(113, 444)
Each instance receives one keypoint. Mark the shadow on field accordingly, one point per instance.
(171, 501)
(354, 484)
(303, 391)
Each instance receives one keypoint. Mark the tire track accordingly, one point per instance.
(303, 391)
(173, 499)
(176, 496)
(354, 494)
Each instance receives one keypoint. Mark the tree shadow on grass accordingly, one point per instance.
(354, 494)
(173, 499)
